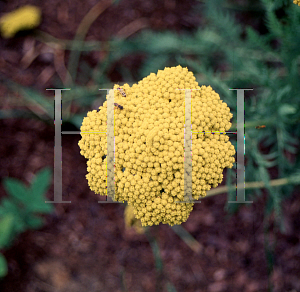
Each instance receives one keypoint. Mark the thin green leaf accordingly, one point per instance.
(269, 206)
(265, 177)
(287, 109)
(187, 238)
(295, 179)
(38, 99)
(223, 21)
(273, 23)
(257, 40)
(156, 253)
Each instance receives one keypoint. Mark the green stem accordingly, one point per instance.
(157, 259)
(187, 238)
(295, 179)
(69, 45)
(81, 32)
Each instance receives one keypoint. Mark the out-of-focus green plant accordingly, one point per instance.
(20, 211)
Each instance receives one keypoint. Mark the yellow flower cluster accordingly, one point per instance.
(26, 17)
(149, 145)
(296, 2)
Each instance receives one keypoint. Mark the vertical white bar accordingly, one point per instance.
(240, 147)
(110, 145)
(188, 148)
(110, 149)
(57, 149)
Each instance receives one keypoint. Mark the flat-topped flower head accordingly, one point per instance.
(149, 145)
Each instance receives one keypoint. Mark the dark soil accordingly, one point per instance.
(84, 246)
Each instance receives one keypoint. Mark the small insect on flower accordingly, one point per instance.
(260, 127)
(122, 92)
(118, 106)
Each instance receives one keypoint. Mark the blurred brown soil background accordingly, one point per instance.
(84, 246)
